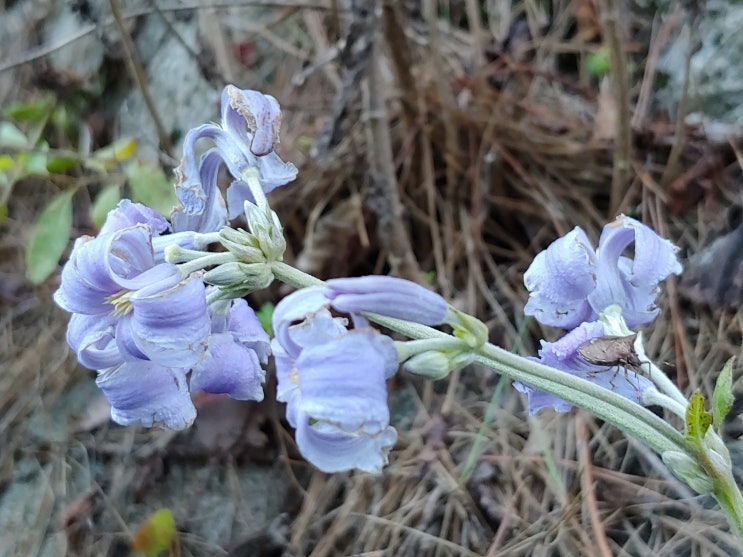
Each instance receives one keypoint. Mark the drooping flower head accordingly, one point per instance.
(563, 355)
(570, 283)
(333, 381)
(245, 139)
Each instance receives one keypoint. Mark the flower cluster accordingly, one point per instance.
(571, 285)
(158, 316)
(145, 324)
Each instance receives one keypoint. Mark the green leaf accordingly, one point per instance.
(722, 398)
(30, 111)
(597, 63)
(49, 237)
(157, 533)
(10, 136)
(106, 200)
(264, 314)
(150, 186)
(60, 164)
(698, 419)
(109, 156)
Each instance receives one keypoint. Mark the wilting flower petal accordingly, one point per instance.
(390, 296)
(563, 355)
(245, 139)
(334, 450)
(146, 393)
(570, 283)
(93, 339)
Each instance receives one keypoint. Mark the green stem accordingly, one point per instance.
(208, 260)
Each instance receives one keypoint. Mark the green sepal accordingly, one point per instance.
(722, 397)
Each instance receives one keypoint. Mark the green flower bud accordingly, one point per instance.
(686, 469)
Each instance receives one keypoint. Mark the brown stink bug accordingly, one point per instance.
(612, 351)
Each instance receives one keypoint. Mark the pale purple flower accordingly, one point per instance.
(563, 355)
(389, 296)
(145, 393)
(237, 347)
(141, 323)
(245, 139)
(334, 383)
(117, 288)
(570, 283)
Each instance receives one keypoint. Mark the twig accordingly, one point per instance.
(671, 170)
(385, 194)
(623, 133)
(139, 76)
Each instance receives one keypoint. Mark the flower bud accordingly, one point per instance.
(247, 277)
(686, 469)
(437, 365)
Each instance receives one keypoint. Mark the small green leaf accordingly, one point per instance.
(31, 111)
(49, 237)
(60, 164)
(698, 419)
(722, 398)
(157, 533)
(10, 136)
(150, 186)
(597, 63)
(264, 314)
(106, 200)
(109, 156)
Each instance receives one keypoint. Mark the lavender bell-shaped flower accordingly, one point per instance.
(245, 139)
(570, 283)
(140, 322)
(334, 383)
(563, 355)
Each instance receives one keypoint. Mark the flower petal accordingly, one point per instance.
(170, 322)
(390, 296)
(332, 450)
(145, 393)
(128, 214)
(560, 279)
(632, 283)
(295, 308)
(343, 382)
(229, 367)
(92, 337)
